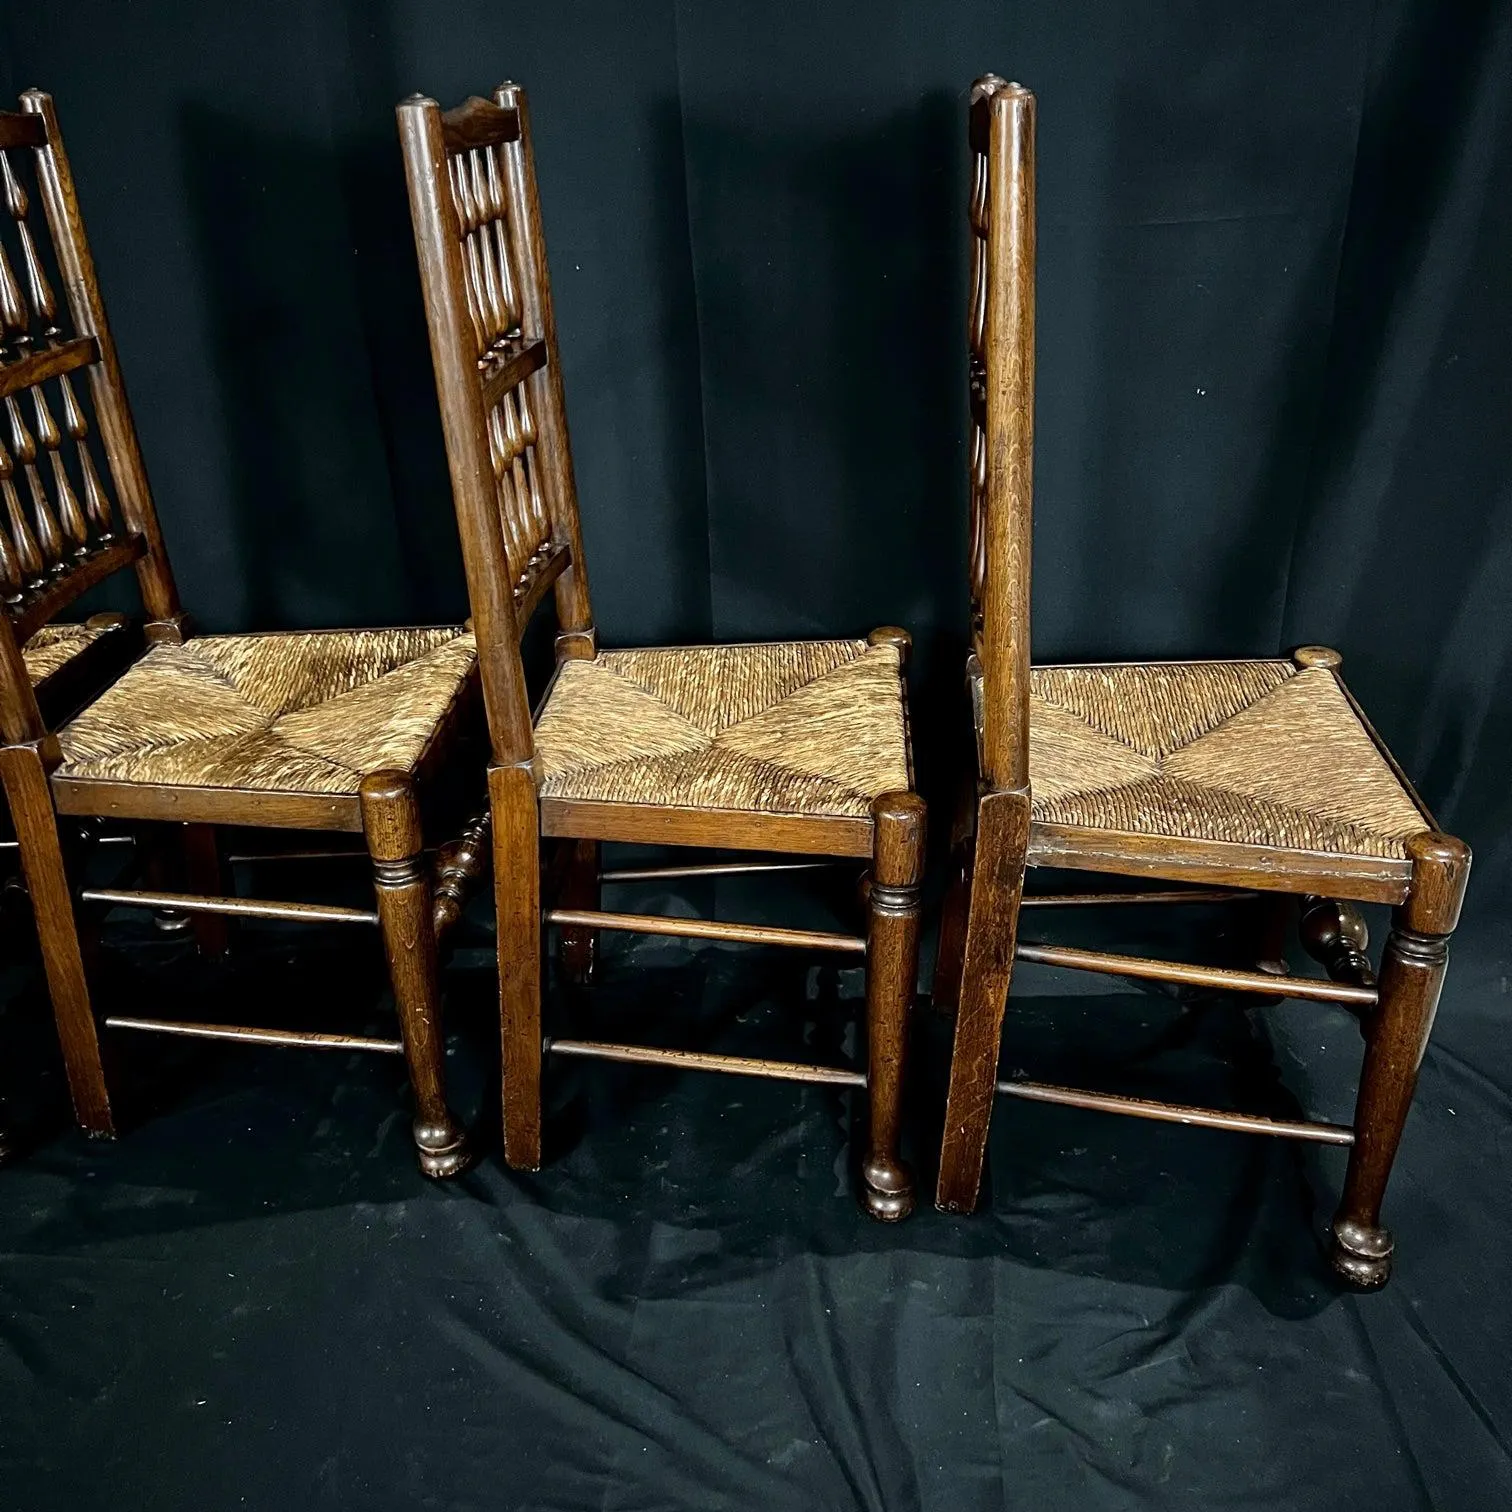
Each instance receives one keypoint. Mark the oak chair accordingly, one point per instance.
(1249, 777)
(795, 747)
(331, 730)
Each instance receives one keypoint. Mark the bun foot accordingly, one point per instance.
(443, 1149)
(887, 1191)
(1361, 1254)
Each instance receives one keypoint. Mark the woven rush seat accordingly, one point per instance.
(54, 646)
(1255, 753)
(813, 728)
(294, 713)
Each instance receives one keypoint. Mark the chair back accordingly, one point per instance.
(477, 220)
(65, 524)
(1001, 338)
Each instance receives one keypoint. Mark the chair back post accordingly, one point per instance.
(575, 637)
(1003, 212)
(20, 717)
(454, 345)
(81, 287)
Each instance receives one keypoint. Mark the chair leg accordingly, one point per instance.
(892, 969)
(26, 788)
(945, 991)
(580, 889)
(1271, 915)
(517, 896)
(205, 874)
(997, 884)
(391, 822)
(1334, 934)
(1396, 1035)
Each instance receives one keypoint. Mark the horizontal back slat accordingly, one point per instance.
(38, 367)
(18, 130)
(478, 123)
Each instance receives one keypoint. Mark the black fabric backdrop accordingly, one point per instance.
(1275, 273)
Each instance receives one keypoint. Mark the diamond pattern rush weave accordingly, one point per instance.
(302, 713)
(1252, 753)
(794, 727)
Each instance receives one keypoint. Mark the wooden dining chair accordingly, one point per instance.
(1262, 776)
(330, 730)
(797, 747)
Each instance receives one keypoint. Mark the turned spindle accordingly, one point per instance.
(1334, 934)
(498, 210)
(96, 500)
(49, 537)
(10, 570)
(472, 279)
(71, 516)
(28, 555)
(458, 867)
(39, 291)
(493, 297)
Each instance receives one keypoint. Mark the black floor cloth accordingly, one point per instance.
(254, 1300)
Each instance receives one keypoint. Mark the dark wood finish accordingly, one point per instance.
(206, 874)
(55, 596)
(458, 867)
(996, 841)
(579, 891)
(517, 898)
(117, 429)
(695, 1060)
(1201, 1118)
(511, 369)
(994, 883)
(1206, 895)
(20, 131)
(634, 824)
(892, 965)
(1365, 879)
(24, 770)
(1005, 348)
(455, 340)
(1396, 1035)
(391, 823)
(478, 123)
(707, 929)
(1218, 978)
(106, 799)
(541, 572)
(711, 869)
(34, 369)
(1335, 936)
(574, 611)
(302, 1039)
(66, 523)
(477, 221)
(232, 908)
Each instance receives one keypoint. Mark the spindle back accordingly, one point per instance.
(64, 524)
(477, 221)
(1001, 366)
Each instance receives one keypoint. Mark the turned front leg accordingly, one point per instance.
(892, 967)
(1396, 1035)
(391, 821)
